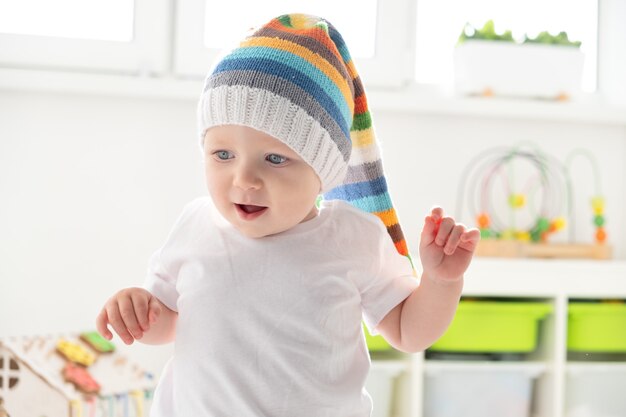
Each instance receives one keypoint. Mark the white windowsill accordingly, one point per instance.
(414, 100)
(419, 100)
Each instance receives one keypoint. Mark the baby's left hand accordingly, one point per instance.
(446, 247)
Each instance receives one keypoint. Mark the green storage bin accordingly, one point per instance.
(375, 343)
(596, 327)
(493, 327)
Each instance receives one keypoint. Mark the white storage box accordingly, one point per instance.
(595, 391)
(380, 385)
(475, 392)
(518, 70)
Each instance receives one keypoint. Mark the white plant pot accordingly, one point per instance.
(518, 70)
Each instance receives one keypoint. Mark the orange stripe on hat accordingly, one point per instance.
(316, 60)
(323, 37)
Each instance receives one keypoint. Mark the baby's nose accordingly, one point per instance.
(247, 177)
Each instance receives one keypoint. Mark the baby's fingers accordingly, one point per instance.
(101, 324)
(470, 239)
(129, 318)
(154, 310)
(454, 239)
(431, 226)
(445, 228)
(117, 323)
(141, 308)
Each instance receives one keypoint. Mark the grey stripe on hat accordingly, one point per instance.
(364, 172)
(311, 44)
(358, 87)
(293, 93)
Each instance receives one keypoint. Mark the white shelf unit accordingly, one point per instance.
(552, 281)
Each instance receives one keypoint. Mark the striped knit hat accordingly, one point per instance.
(294, 79)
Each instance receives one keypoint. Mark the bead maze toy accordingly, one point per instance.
(517, 215)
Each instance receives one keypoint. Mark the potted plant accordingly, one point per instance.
(491, 64)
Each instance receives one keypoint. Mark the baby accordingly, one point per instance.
(262, 287)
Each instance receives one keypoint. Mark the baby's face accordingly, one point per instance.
(259, 184)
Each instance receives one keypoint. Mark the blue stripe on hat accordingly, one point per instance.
(298, 64)
(358, 190)
(373, 204)
(340, 44)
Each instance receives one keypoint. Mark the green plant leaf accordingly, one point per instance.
(488, 32)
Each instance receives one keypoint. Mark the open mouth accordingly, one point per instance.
(250, 211)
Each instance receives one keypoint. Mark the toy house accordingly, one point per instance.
(71, 375)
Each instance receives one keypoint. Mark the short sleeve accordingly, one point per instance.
(161, 279)
(392, 281)
(160, 283)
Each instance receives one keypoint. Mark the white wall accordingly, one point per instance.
(90, 186)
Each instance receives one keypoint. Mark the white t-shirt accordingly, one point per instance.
(272, 326)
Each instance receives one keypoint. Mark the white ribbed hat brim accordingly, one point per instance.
(279, 117)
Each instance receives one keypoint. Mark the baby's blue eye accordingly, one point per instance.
(275, 159)
(223, 155)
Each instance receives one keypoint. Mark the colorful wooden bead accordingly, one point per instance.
(535, 235)
(600, 235)
(483, 221)
(508, 234)
(543, 224)
(559, 223)
(597, 203)
(517, 200)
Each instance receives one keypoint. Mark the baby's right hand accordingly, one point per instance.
(130, 312)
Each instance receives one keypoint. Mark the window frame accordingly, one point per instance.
(147, 53)
(611, 74)
(391, 66)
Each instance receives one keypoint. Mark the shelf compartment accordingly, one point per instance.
(595, 390)
(596, 327)
(452, 389)
(381, 383)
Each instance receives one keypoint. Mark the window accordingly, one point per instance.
(394, 42)
(78, 19)
(378, 40)
(439, 24)
(9, 369)
(359, 34)
(123, 36)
